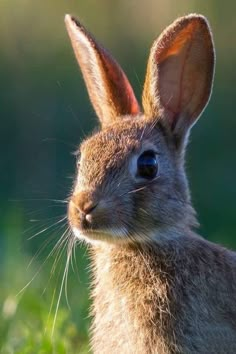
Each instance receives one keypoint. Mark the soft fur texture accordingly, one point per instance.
(158, 288)
(176, 297)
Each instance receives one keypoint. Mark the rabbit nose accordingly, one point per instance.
(87, 212)
(85, 205)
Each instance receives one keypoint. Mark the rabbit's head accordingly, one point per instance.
(130, 183)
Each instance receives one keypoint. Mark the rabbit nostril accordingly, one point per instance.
(88, 208)
(83, 206)
(87, 219)
(86, 213)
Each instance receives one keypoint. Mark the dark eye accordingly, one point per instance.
(147, 165)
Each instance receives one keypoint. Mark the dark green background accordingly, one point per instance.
(44, 113)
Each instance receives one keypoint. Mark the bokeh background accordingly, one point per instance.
(45, 112)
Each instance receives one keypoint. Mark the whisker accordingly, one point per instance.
(32, 279)
(144, 129)
(69, 252)
(75, 265)
(59, 296)
(50, 309)
(58, 249)
(54, 292)
(36, 274)
(38, 211)
(41, 249)
(47, 228)
(144, 211)
(40, 199)
(141, 188)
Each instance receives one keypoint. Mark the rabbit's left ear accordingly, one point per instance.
(180, 74)
(109, 89)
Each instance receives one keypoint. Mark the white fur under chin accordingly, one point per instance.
(120, 236)
(112, 235)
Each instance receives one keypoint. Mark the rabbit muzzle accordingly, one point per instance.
(91, 217)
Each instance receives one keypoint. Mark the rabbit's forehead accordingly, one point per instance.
(117, 140)
(107, 147)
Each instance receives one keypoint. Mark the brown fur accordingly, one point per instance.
(158, 288)
(171, 298)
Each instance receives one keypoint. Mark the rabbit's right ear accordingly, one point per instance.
(109, 89)
(180, 74)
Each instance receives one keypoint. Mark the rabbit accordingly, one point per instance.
(157, 286)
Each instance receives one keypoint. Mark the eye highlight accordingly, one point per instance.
(147, 166)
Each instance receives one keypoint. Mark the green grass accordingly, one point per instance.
(26, 319)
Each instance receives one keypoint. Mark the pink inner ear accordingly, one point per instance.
(178, 75)
(108, 87)
(134, 106)
(177, 81)
(180, 72)
(122, 92)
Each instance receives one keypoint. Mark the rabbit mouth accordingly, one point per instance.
(113, 234)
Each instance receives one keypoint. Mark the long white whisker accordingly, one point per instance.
(58, 246)
(37, 211)
(73, 258)
(35, 275)
(54, 292)
(47, 228)
(44, 245)
(35, 226)
(141, 188)
(60, 293)
(40, 199)
(69, 253)
(46, 219)
(50, 310)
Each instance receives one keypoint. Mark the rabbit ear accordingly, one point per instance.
(180, 74)
(109, 89)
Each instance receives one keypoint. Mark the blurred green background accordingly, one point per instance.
(45, 112)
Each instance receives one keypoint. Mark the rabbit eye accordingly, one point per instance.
(147, 165)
